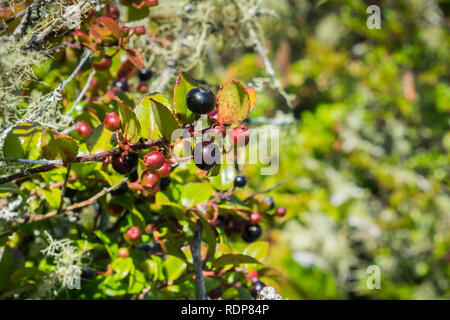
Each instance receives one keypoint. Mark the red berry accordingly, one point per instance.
(280, 211)
(112, 121)
(149, 228)
(124, 31)
(164, 171)
(139, 30)
(114, 10)
(240, 135)
(255, 217)
(142, 88)
(150, 180)
(220, 129)
(123, 253)
(83, 129)
(154, 160)
(133, 234)
(94, 84)
(115, 209)
(125, 162)
(103, 64)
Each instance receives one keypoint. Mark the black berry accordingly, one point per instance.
(125, 162)
(268, 202)
(121, 85)
(145, 74)
(164, 183)
(251, 232)
(240, 181)
(200, 100)
(257, 286)
(206, 155)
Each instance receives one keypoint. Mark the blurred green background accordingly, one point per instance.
(365, 156)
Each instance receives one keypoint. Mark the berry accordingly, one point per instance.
(240, 135)
(267, 203)
(280, 211)
(112, 121)
(83, 129)
(120, 85)
(215, 293)
(145, 74)
(88, 273)
(139, 30)
(125, 162)
(133, 234)
(123, 253)
(257, 286)
(240, 181)
(124, 31)
(154, 160)
(164, 183)
(164, 171)
(200, 100)
(103, 64)
(251, 232)
(149, 228)
(123, 188)
(206, 155)
(142, 88)
(115, 210)
(255, 217)
(150, 180)
(212, 117)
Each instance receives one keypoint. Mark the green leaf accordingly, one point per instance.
(137, 282)
(195, 193)
(144, 113)
(56, 146)
(209, 236)
(225, 179)
(233, 102)
(122, 267)
(165, 119)
(257, 250)
(233, 259)
(134, 14)
(53, 197)
(138, 219)
(174, 268)
(130, 125)
(110, 245)
(183, 85)
(100, 140)
(9, 187)
(23, 142)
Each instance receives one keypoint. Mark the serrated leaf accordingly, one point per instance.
(23, 142)
(183, 85)
(57, 146)
(144, 113)
(233, 102)
(233, 259)
(100, 139)
(131, 128)
(195, 193)
(165, 120)
(257, 250)
(135, 57)
(225, 179)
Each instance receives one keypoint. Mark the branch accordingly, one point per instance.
(268, 66)
(88, 158)
(54, 97)
(264, 191)
(198, 263)
(34, 217)
(63, 190)
(83, 92)
(45, 162)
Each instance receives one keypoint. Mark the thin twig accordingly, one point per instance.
(264, 191)
(34, 217)
(83, 92)
(63, 190)
(88, 158)
(44, 162)
(198, 263)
